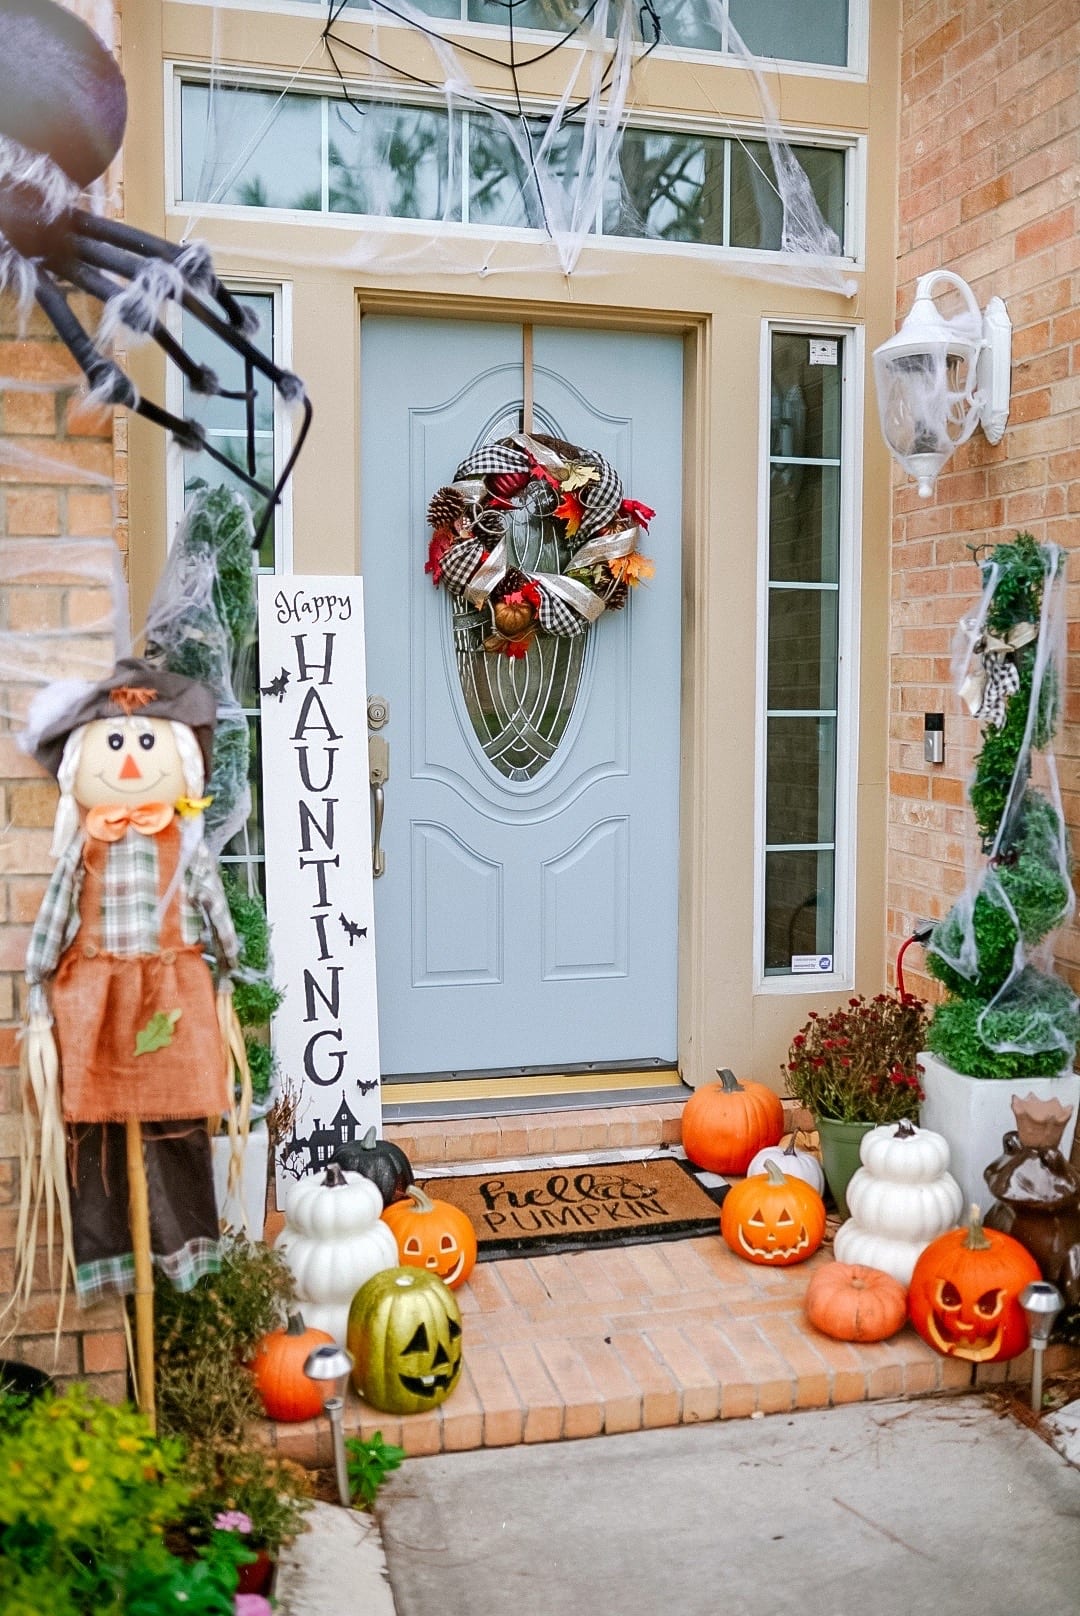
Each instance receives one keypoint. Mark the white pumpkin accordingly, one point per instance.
(853, 1244)
(904, 1153)
(900, 1199)
(905, 1211)
(792, 1162)
(333, 1241)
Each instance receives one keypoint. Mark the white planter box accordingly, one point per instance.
(244, 1211)
(974, 1112)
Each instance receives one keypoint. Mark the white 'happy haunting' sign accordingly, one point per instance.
(317, 831)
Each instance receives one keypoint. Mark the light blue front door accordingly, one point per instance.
(527, 916)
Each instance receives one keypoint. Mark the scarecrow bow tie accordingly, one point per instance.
(111, 821)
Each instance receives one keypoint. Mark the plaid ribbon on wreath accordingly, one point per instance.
(491, 459)
(460, 562)
(556, 617)
(1002, 681)
(600, 499)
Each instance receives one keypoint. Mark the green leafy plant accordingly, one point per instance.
(1003, 1017)
(369, 1461)
(255, 996)
(858, 1064)
(158, 1581)
(85, 1489)
(204, 1336)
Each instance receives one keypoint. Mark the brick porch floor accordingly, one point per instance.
(622, 1339)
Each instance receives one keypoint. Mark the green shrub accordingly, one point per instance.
(85, 1489)
(369, 1461)
(205, 1336)
(1041, 1009)
(979, 951)
(274, 1493)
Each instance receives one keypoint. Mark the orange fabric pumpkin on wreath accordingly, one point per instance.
(725, 1124)
(278, 1367)
(773, 1219)
(851, 1302)
(433, 1235)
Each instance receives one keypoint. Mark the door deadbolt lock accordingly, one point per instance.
(378, 712)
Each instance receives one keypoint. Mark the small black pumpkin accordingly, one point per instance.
(386, 1164)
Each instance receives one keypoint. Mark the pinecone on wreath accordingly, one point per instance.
(447, 506)
(618, 598)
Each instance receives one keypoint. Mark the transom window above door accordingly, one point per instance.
(258, 148)
(811, 31)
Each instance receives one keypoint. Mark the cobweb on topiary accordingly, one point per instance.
(1009, 1013)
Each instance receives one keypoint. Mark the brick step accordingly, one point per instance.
(543, 1133)
(595, 1342)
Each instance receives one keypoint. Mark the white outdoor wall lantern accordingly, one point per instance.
(941, 376)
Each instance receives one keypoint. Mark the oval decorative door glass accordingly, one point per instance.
(535, 541)
(519, 706)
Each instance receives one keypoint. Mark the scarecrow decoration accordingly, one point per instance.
(128, 1047)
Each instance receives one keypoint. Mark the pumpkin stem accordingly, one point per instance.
(905, 1129)
(295, 1325)
(976, 1239)
(333, 1178)
(368, 1141)
(775, 1174)
(729, 1081)
(421, 1201)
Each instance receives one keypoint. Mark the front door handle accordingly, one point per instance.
(378, 775)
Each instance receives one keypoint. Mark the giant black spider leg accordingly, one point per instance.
(125, 258)
(103, 374)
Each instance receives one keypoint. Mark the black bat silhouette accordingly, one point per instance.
(366, 1088)
(352, 930)
(277, 685)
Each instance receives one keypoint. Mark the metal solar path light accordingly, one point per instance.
(1041, 1304)
(331, 1365)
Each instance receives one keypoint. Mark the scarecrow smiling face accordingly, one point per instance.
(131, 760)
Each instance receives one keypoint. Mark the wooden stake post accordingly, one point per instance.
(139, 1222)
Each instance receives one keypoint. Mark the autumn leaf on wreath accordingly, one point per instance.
(570, 510)
(158, 1032)
(632, 569)
(579, 475)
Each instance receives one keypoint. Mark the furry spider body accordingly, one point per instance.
(63, 110)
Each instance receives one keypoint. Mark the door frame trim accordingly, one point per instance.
(695, 328)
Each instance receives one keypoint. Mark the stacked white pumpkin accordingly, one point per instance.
(902, 1197)
(333, 1241)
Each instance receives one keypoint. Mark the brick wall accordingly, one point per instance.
(58, 531)
(989, 186)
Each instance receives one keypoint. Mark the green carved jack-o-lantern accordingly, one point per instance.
(405, 1337)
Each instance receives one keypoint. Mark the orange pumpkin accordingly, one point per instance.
(278, 1368)
(773, 1219)
(433, 1235)
(851, 1302)
(964, 1295)
(725, 1124)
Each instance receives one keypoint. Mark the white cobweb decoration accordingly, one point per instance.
(414, 144)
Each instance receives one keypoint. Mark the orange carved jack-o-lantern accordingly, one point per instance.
(433, 1235)
(773, 1219)
(964, 1295)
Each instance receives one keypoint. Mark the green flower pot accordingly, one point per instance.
(840, 1143)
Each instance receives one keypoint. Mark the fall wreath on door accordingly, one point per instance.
(536, 480)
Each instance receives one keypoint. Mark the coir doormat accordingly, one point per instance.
(554, 1209)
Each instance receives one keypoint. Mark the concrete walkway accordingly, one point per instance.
(894, 1509)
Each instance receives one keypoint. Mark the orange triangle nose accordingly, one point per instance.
(129, 769)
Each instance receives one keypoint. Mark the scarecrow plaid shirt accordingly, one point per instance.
(129, 921)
